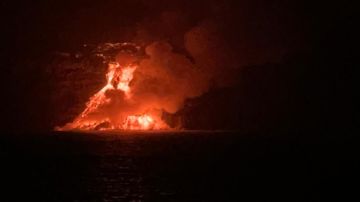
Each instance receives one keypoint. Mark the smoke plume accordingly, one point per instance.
(161, 81)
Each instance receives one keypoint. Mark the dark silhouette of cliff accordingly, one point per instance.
(307, 92)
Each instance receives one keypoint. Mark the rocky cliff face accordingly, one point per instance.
(75, 79)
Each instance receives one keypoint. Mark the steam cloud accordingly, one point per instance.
(166, 78)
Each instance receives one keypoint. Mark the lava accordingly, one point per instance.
(118, 78)
(139, 122)
(145, 85)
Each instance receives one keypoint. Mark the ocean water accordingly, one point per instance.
(169, 166)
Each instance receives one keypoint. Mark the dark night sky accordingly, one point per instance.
(259, 32)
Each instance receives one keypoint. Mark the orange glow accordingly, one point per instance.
(126, 77)
(140, 122)
(118, 78)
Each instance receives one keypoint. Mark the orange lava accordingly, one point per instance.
(118, 78)
(139, 122)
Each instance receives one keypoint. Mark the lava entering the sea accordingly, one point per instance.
(98, 112)
(145, 87)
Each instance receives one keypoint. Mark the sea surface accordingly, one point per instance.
(173, 166)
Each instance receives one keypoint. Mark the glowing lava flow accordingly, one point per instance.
(142, 122)
(118, 78)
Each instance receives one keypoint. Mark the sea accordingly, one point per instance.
(173, 166)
